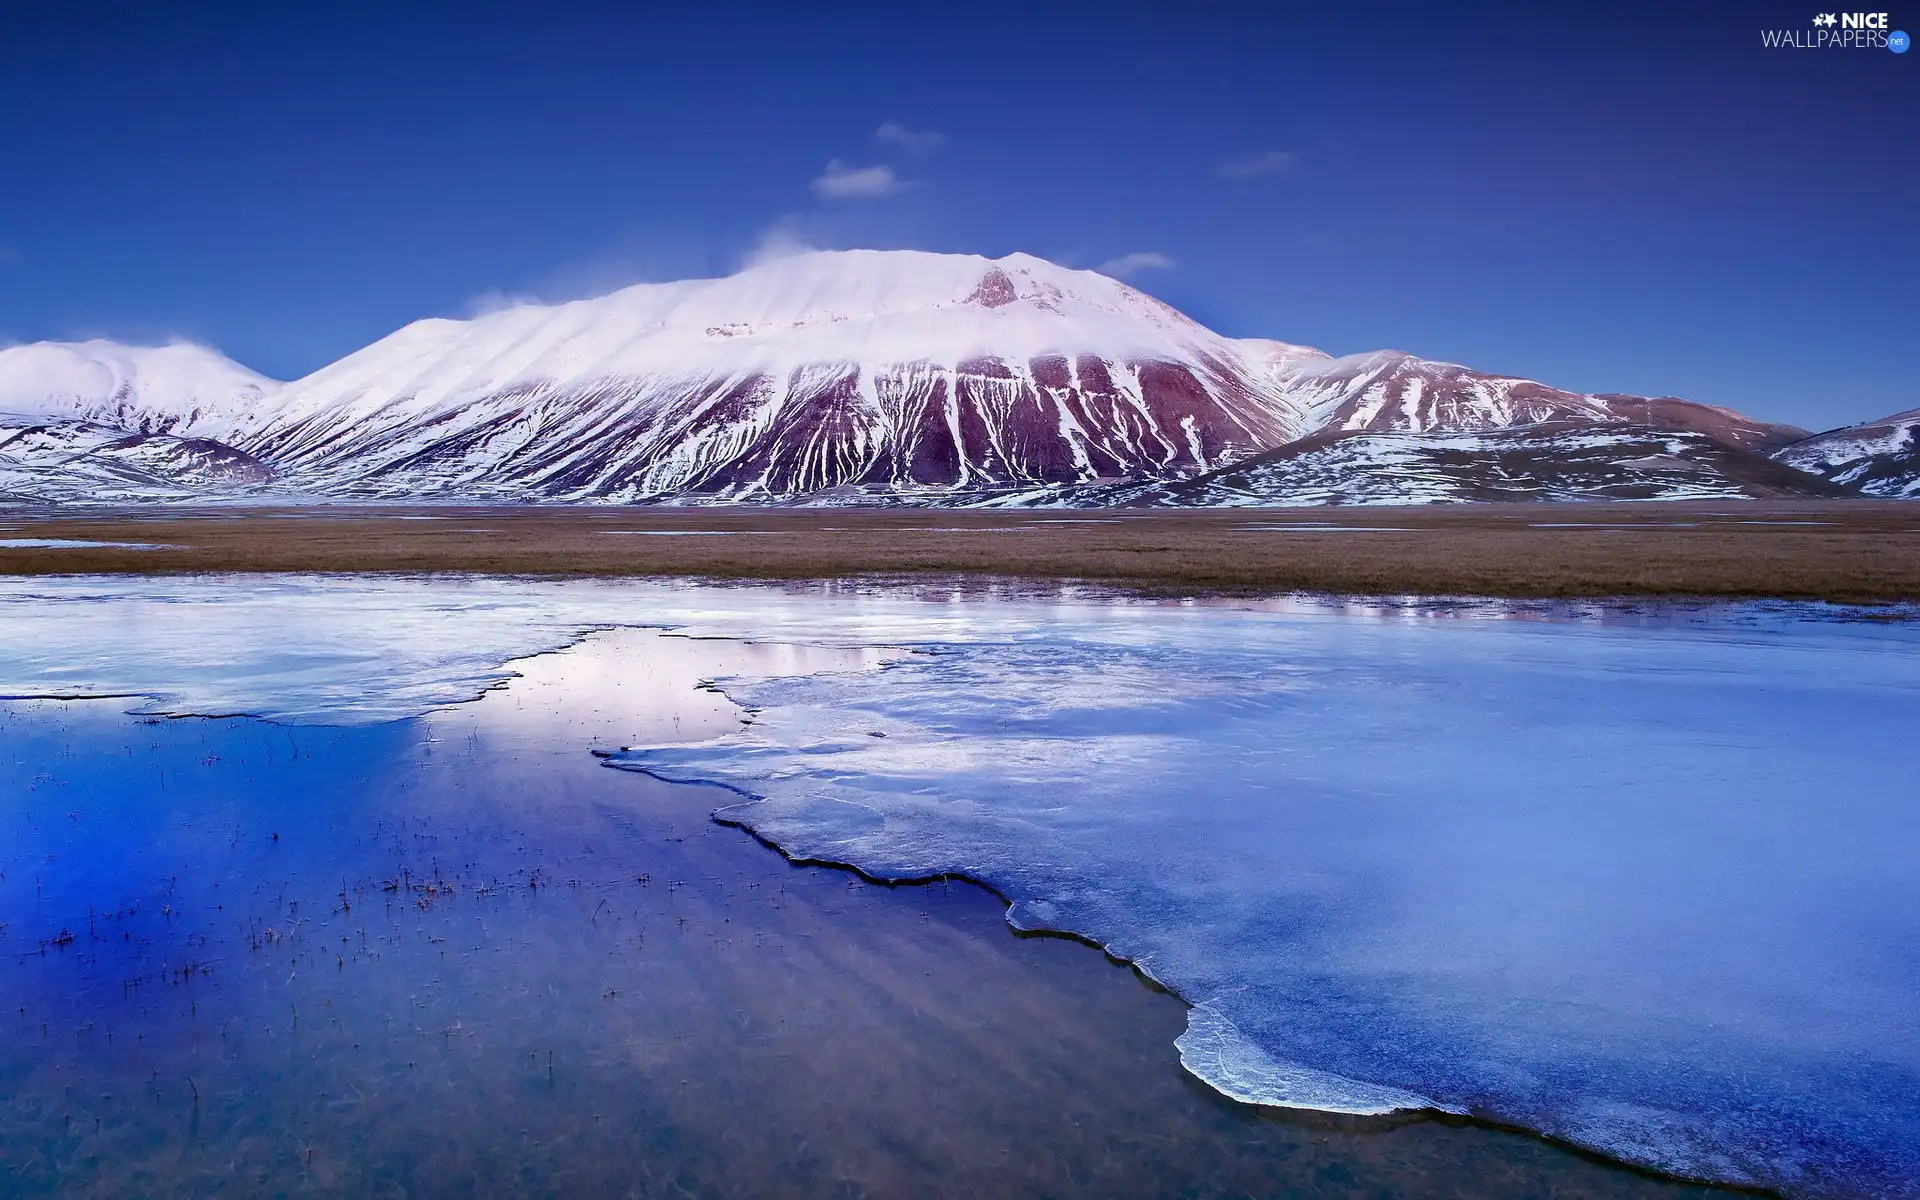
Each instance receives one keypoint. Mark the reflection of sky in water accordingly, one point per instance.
(442, 956)
(1647, 885)
(640, 687)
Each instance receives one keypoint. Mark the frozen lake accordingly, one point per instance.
(1645, 881)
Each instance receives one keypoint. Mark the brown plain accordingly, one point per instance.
(1850, 551)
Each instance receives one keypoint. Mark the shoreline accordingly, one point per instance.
(734, 1017)
(1349, 1122)
(942, 1025)
(510, 691)
(1306, 1151)
(1845, 551)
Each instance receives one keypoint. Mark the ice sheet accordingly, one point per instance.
(27, 543)
(1644, 882)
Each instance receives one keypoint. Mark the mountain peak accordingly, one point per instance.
(876, 374)
(149, 388)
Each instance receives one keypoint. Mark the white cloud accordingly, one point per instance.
(639, 256)
(1257, 166)
(842, 182)
(913, 141)
(1133, 264)
(778, 240)
(495, 300)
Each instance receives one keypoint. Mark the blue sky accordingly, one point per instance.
(1631, 198)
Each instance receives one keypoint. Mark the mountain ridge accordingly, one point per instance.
(1879, 458)
(180, 386)
(877, 376)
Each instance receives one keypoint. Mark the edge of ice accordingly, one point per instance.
(1215, 1051)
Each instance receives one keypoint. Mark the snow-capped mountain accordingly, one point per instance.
(898, 370)
(65, 461)
(101, 422)
(1553, 460)
(867, 374)
(1390, 392)
(180, 388)
(1880, 458)
(833, 377)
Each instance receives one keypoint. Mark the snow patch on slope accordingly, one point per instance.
(1881, 458)
(72, 461)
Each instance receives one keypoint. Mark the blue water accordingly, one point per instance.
(1645, 881)
(1652, 888)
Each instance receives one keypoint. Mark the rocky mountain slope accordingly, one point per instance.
(1390, 392)
(896, 370)
(1880, 458)
(891, 377)
(68, 461)
(1560, 459)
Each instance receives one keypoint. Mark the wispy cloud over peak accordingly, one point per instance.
(1133, 264)
(782, 239)
(1257, 166)
(495, 300)
(638, 256)
(841, 181)
(913, 141)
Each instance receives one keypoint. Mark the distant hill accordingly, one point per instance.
(1879, 458)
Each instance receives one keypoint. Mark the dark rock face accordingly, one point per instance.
(995, 290)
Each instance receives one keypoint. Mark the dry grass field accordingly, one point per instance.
(1853, 551)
